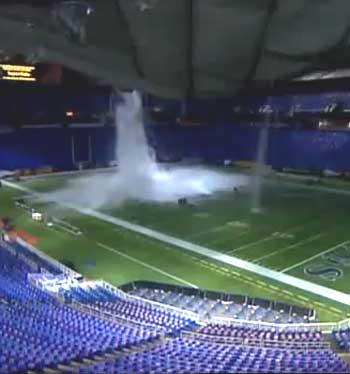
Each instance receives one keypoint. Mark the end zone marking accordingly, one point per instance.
(313, 257)
(144, 264)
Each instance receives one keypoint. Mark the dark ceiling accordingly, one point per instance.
(182, 48)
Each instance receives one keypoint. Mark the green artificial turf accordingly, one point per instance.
(296, 223)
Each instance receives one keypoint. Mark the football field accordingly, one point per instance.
(301, 230)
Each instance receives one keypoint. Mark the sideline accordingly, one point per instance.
(281, 277)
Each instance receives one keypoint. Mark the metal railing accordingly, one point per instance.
(113, 317)
(139, 300)
(325, 327)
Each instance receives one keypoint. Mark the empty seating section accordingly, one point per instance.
(208, 307)
(342, 338)
(142, 312)
(39, 332)
(263, 336)
(136, 311)
(183, 355)
(36, 331)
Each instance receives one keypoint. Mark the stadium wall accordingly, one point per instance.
(35, 148)
(23, 105)
(311, 150)
(210, 143)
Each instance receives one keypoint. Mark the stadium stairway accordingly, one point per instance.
(125, 352)
(76, 366)
(333, 344)
(144, 347)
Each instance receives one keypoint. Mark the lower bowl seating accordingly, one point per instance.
(38, 332)
(183, 355)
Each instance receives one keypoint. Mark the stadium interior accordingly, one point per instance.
(174, 186)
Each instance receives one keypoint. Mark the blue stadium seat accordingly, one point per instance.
(37, 331)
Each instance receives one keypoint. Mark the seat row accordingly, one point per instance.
(184, 355)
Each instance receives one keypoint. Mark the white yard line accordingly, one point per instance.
(284, 249)
(213, 229)
(251, 244)
(289, 280)
(313, 257)
(223, 240)
(268, 238)
(218, 229)
(144, 264)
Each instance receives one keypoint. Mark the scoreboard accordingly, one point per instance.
(11, 72)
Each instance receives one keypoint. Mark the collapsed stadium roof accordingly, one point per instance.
(181, 48)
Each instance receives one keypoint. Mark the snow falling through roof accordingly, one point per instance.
(138, 176)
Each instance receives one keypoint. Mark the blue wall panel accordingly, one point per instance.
(210, 143)
(299, 149)
(28, 148)
(309, 149)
